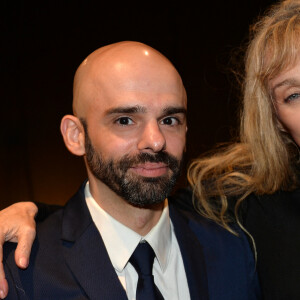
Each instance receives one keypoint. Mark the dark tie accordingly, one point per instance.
(142, 259)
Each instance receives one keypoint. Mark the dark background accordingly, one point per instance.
(43, 44)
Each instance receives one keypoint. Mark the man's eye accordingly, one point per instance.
(170, 121)
(124, 121)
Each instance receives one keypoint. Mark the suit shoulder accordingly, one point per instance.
(51, 224)
(211, 234)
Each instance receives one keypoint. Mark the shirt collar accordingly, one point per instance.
(120, 241)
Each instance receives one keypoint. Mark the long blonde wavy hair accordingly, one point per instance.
(263, 159)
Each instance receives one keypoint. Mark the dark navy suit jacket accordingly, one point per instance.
(69, 259)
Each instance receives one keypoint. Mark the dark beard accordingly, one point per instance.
(135, 189)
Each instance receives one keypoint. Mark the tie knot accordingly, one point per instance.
(142, 259)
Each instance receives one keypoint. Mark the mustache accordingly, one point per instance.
(161, 157)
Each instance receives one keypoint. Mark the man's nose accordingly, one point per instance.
(152, 138)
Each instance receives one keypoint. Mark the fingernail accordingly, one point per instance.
(2, 294)
(23, 262)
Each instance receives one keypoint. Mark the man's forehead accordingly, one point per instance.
(138, 91)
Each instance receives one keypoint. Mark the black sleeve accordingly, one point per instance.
(45, 210)
(273, 221)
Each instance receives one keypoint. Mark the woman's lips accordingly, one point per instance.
(150, 169)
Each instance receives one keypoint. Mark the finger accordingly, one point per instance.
(3, 282)
(3, 288)
(23, 249)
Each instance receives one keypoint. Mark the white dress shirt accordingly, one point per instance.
(120, 242)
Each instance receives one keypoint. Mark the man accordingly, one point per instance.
(129, 124)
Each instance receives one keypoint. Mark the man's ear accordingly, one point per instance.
(73, 134)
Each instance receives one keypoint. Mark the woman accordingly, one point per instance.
(255, 180)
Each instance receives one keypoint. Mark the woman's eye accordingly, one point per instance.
(292, 97)
(124, 121)
(170, 121)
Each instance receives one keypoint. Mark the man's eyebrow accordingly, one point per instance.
(126, 110)
(140, 109)
(174, 110)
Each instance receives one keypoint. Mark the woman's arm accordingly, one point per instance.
(17, 224)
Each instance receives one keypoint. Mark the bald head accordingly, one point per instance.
(124, 65)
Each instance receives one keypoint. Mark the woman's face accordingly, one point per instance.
(285, 89)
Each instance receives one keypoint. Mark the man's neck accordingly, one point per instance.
(140, 220)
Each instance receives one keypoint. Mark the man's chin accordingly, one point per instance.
(147, 204)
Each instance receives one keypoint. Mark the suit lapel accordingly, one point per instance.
(192, 255)
(85, 253)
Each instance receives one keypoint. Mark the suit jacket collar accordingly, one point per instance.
(85, 252)
(82, 241)
(192, 254)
